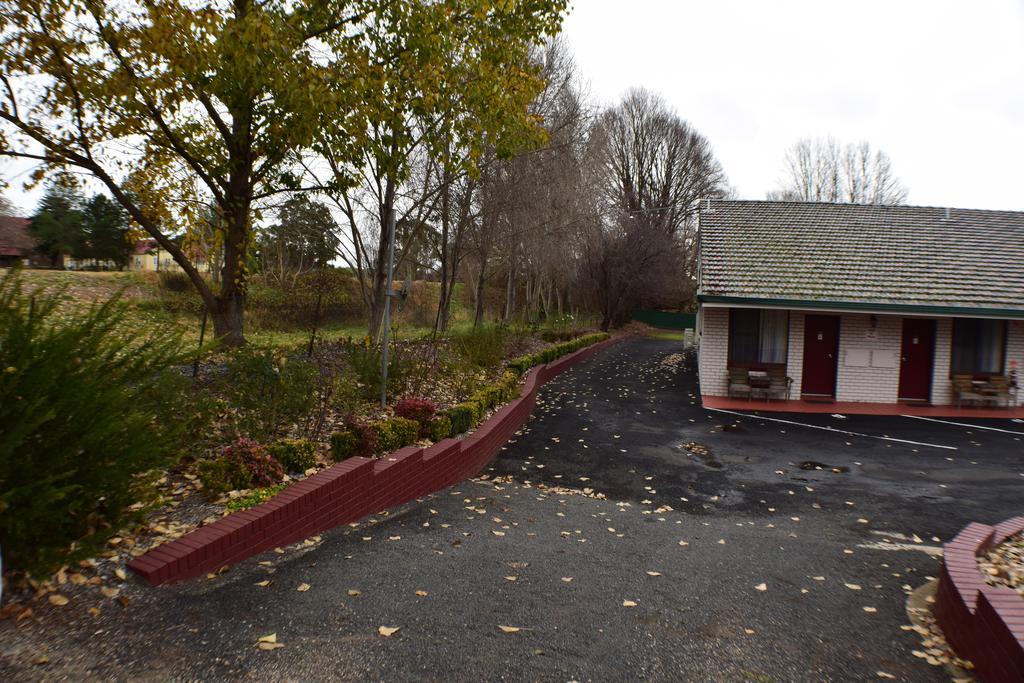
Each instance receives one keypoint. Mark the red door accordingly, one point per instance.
(916, 356)
(821, 351)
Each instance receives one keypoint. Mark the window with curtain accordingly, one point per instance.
(978, 346)
(758, 336)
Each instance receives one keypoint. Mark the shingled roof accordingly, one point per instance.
(14, 237)
(860, 256)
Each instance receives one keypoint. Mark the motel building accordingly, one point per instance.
(849, 308)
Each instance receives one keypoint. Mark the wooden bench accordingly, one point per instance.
(995, 390)
(752, 383)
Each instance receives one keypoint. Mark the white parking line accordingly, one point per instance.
(833, 429)
(965, 424)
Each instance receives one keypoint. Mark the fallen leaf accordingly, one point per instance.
(870, 610)
(353, 592)
(57, 600)
(303, 587)
(388, 631)
(749, 631)
(818, 578)
(684, 543)
(628, 603)
(566, 579)
(511, 578)
(852, 586)
(109, 592)
(119, 573)
(263, 584)
(721, 541)
(653, 573)
(883, 674)
(509, 629)
(761, 587)
(497, 533)
(421, 594)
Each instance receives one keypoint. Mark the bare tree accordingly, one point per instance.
(652, 168)
(820, 170)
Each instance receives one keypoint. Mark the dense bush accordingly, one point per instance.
(354, 438)
(256, 460)
(394, 433)
(419, 410)
(295, 455)
(269, 389)
(483, 345)
(440, 428)
(463, 417)
(523, 363)
(221, 475)
(80, 424)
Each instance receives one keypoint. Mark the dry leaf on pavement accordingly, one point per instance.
(388, 631)
(58, 600)
(303, 587)
(509, 629)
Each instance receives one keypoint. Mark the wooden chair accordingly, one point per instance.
(999, 390)
(964, 390)
(781, 384)
(739, 383)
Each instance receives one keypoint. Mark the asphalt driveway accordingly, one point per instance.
(626, 533)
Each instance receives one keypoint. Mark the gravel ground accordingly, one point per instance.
(725, 547)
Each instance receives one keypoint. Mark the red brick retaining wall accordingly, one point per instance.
(983, 623)
(347, 491)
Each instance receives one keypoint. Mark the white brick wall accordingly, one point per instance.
(942, 393)
(854, 384)
(868, 384)
(1015, 349)
(714, 351)
(795, 361)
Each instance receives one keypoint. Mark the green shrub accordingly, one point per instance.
(221, 475)
(343, 445)
(256, 497)
(483, 345)
(295, 455)
(269, 389)
(81, 425)
(354, 438)
(440, 428)
(522, 364)
(463, 417)
(394, 433)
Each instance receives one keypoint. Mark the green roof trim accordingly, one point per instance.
(865, 306)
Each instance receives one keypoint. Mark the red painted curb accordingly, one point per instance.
(348, 491)
(983, 623)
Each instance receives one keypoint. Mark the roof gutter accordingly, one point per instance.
(715, 301)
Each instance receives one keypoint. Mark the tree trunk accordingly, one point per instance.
(228, 319)
(478, 315)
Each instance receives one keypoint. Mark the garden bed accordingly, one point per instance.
(1003, 565)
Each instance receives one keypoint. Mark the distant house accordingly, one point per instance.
(16, 244)
(148, 255)
(859, 305)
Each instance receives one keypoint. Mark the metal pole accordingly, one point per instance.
(387, 311)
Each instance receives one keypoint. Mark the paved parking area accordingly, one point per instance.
(626, 533)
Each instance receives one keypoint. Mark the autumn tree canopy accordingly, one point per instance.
(175, 107)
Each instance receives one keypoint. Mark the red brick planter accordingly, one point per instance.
(983, 623)
(347, 491)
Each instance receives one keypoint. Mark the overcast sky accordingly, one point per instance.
(939, 86)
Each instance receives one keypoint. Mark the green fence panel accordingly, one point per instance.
(668, 320)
